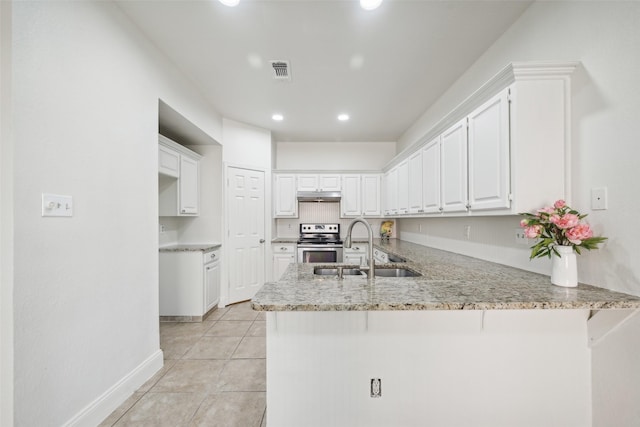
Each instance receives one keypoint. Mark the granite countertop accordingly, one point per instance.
(285, 240)
(200, 247)
(449, 281)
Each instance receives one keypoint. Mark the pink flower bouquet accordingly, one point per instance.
(558, 225)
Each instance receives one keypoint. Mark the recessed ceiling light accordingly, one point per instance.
(230, 3)
(278, 117)
(343, 117)
(369, 4)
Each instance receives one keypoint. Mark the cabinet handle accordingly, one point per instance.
(282, 248)
(440, 209)
(261, 240)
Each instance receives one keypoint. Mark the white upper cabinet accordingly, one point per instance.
(168, 161)
(371, 195)
(453, 163)
(178, 179)
(351, 201)
(415, 182)
(431, 177)
(284, 196)
(489, 155)
(189, 186)
(322, 182)
(360, 195)
(391, 192)
(403, 187)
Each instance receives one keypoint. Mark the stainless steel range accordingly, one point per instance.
(319, 243)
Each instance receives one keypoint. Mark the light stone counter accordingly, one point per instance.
(449, 281)
(203, 247)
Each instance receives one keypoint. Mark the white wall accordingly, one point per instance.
(246, 145)
(85, 98)
(605, 37)
(337, 156)
(6, 220)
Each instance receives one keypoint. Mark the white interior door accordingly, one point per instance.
(245, 243)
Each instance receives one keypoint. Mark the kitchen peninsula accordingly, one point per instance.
(467, 343)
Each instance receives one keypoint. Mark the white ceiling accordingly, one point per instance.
(383, 67)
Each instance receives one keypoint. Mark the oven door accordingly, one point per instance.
(319, 253)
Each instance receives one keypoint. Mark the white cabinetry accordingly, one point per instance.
(391, 192)
(211, 279)
(168, 162)
(178, 179)
(478, 160)
(285, 203)
(356, 254)
(189, 283)
(371, 195)
(403, 187)
(351, 201)
(453, 163)
(360, 195)
(283, 255)
(319, 182)
(415, 182)
(431, 177)
(489, 154)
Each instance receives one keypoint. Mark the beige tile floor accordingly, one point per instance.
(214, 375)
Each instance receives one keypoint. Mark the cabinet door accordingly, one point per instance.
(403, 187)
(284, 196)
(350, 203)
(329, 182)
(308, 182)
(453, 148)
(431, 177)
(280, 264)
(211, 285)
(168, 161)
(415, 182)
(489, 155)
(370, 185)
(189, 186)
(391, 192)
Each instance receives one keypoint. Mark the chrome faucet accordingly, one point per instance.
(347, 244)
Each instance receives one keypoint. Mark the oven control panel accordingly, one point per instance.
(319, 228)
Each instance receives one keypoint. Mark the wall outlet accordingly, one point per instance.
(521, 239)
(599, 198)
(162, 228)
(376, 387)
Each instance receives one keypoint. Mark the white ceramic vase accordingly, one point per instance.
(564, 268)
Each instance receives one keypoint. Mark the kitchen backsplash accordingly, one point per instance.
(325, 212)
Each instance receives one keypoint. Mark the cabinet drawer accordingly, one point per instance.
(211, 256)
(284, 248)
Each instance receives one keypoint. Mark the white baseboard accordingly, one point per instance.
(95, 412)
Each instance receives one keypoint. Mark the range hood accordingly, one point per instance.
(318, 196)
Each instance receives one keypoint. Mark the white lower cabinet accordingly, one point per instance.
(356, 254)
(283, 255)
(211, 280)
(189, 283)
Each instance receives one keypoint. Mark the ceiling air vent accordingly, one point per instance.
(281, 70)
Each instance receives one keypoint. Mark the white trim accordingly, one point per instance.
(95, 412)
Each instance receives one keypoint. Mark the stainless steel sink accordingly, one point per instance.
(324, 271)
(396, 272)
(379, 272)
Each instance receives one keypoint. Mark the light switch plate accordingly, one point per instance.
(599, 198)
(57, 205)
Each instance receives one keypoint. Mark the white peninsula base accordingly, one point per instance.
(437, 368)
